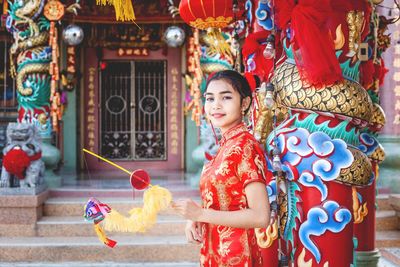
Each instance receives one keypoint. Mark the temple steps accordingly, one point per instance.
(130, 249)
(53, 226)
(62, 237)
(387, 220)
(73, 206)
(179, 191)
(102, 264)
(386, 239)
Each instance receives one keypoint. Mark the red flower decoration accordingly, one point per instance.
(16, 161)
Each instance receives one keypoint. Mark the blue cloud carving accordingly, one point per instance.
(368, 143)
(310, 180)
(263, 15)
(329, 217)
(249, 11)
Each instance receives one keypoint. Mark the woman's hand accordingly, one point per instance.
(193, 232)
(188, 209)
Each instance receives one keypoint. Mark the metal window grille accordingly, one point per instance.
(133, 110)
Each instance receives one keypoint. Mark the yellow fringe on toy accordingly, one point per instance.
(155, 199)
(123, 9)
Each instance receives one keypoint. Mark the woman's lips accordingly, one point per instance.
(218, 115)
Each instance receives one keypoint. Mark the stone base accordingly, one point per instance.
(22, 208)
(367, 258)
(30, 191)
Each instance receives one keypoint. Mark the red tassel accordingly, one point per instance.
(111, 243)
(309, 18)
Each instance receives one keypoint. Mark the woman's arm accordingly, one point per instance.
(255, 216)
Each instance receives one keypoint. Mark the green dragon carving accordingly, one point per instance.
(30, 56)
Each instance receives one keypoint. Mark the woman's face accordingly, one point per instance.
(222, 106)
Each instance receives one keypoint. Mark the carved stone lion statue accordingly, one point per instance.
(22, 157)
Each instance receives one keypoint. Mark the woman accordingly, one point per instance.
(232, 184)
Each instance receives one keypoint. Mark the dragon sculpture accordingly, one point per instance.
(30, 58)
(324, 147)
(32, 55)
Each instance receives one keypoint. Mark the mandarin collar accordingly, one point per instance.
(232, 132)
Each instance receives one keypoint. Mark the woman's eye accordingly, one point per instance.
(227, 97)
(209, 99)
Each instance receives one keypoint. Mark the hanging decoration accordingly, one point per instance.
(194, 78)
(54, 10)
(203, 14)
(123, 9)
(73, 35)
(174, 36)
(155, 199)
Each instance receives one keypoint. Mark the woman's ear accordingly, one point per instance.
(246, 103)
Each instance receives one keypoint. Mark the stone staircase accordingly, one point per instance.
(387, 222)
(62, 237)
(388, 228)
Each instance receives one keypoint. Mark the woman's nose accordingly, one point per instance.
(216, 104)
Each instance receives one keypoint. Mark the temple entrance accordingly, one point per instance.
(133, 110)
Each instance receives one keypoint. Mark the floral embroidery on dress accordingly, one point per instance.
(237, 163)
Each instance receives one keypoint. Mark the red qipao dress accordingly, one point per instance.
(238, 162)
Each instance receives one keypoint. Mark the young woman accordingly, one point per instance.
(232, 184)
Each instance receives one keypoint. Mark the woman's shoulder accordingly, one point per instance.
(244, 143)
(247, 139)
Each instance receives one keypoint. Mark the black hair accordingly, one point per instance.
(236, 80)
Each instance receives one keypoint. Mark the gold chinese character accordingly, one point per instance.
(71, 69)
(397, 50)
(91, 135)
(173, 119)
(71, 50)
(174, 111)
(90, 118)
(91, 144)
(174, 135)
(397, 90)
(174, 150)
(174, 127)
(145, 52)
(397, 107)
(91, 102)
(90, 126)
(174, 71)
(121, 52)
(396, 119)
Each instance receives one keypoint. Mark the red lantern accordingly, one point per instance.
(203, 14)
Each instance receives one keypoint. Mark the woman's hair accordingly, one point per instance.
(236, 80)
